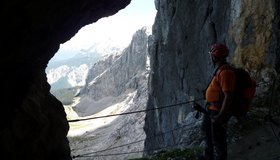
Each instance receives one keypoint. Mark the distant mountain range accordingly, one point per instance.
(76, 75)
(73, 71)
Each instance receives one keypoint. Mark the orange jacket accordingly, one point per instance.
(222, 82)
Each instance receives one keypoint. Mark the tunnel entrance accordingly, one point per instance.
(100, 75)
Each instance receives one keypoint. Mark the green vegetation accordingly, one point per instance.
(66, 95)
(61, 83)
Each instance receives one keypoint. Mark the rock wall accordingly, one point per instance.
(99, 67)
(125, 67)
(33, 122)
(109, 79)
(182, 34)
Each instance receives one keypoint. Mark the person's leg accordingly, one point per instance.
(220, 140)
(206, 128)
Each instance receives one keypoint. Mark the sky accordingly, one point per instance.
(119, 28)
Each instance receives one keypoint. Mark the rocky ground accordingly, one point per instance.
(105, 138)
(258, 144)
(257, 139)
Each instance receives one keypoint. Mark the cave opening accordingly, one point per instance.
(103, 71)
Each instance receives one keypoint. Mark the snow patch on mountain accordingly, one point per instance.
(55, 74)
(75, 75)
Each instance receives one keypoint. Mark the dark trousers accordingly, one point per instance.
(215, 137)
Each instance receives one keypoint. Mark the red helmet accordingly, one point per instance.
(219, 50)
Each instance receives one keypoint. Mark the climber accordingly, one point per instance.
(219, 97)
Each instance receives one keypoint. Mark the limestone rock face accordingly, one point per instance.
(180, 65)
(98, 68)
(124, 68)
(116, 74)
(33, 122)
